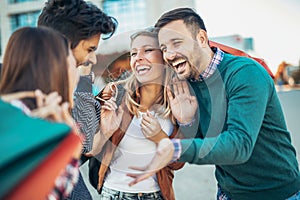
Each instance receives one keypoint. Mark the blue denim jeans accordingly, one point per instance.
(109, 194)
(222, 196)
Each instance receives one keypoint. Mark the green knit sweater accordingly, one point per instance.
(242, 131)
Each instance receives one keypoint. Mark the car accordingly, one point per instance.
(292, 75)
(287, 74)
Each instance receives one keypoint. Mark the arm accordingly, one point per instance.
(85, 111)
(111, 116)
(246, 109)
(98, 143)
(247, 103)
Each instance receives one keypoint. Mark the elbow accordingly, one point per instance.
(243, 152)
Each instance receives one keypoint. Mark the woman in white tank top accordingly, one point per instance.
(150, 119)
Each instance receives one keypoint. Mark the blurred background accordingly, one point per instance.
(269, 29)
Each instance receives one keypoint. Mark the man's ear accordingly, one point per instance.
(202, 38)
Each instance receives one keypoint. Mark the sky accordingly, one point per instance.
(274, 25)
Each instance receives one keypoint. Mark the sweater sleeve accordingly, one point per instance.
(247, 98)
(86, 111)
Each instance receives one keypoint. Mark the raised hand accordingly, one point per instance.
(151, 128)
(50, 107)
(183, 104)
(111, 117)
(162, 158)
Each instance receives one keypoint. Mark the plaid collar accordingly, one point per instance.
(216, 60)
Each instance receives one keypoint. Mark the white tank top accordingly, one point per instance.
(134, 150)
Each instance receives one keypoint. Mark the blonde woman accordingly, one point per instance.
(135, 116)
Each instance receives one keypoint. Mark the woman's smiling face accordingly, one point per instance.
(146, 60)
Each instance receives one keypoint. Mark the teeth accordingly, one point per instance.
(142, 67)
(178, 61)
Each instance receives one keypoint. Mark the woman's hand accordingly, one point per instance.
(50, 107)
(111, 117)
(151, 128)
(17, 96)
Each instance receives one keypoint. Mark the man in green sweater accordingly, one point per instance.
(235, 116)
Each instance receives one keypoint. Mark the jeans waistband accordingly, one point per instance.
(120, 195)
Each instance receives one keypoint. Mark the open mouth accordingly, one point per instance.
(142, 69)
(179, 65)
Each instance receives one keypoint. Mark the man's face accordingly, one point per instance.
(180, 49)
(85, 51)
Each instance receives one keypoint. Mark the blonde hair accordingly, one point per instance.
(131, 86)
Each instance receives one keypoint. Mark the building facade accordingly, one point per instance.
(131, 14)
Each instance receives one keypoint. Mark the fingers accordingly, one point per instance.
(175, 89)
(193, 101)
(146, 130)
(146, 124)
(53, 98)
(180, 87)
(110, 105)
(42, 112)
(17, 95)
(138, 178)
(170, 95)
(120, 111)
(44, 100)
(147, 118)
(185, 87)
(119, 116)
(138, 168)
(39, 98)
(149, 121)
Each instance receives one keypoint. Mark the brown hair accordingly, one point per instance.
(35, 58)
(191, 19)
(77, 20)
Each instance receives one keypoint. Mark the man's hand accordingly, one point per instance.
(163, 156)
(183, 104)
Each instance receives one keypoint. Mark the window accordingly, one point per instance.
(24, 19)
(129, 13)
(20, 1)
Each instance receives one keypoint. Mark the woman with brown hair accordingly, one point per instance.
(39, 76)
(32, 61)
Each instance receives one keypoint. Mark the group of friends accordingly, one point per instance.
(184, 102)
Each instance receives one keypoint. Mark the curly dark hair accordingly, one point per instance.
(77, 20)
